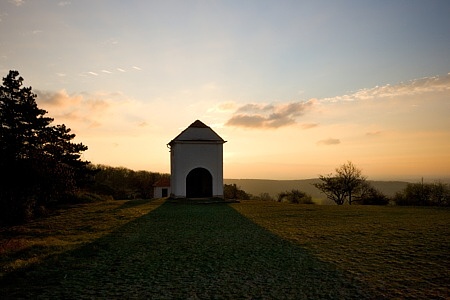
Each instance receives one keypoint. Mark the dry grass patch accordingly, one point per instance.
(398, 251)
(25, 245)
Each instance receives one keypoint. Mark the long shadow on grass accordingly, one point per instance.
(185, 251)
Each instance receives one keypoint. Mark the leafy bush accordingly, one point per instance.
(295, 196)
(264, 197)
(232, 191)
(368, 195)
(424, 194)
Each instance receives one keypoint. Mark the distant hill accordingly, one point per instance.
(274, 187)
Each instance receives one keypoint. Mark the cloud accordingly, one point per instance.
(64, 3)
(410, 88)
(329, 141)
(17, 2)
(224, 107)
(373, 133)
(60, 98)
(269, 115)
(309, 125)
(86, 109)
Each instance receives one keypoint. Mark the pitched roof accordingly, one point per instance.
(199, 132)
(163, 182)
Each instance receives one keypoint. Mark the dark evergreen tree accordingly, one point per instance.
(39, 163)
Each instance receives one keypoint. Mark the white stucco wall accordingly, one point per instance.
(157, 192)
(188, 155)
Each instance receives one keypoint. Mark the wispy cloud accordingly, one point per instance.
(81, 108)
(269, 115)
(17, 2)
(309, 125)
(410, 88)
(329, 141)
(64, 3)
(374, 133)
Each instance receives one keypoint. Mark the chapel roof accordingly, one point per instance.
(199, 132)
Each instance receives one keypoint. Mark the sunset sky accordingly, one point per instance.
(297, 88)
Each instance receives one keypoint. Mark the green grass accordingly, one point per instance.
(67, 229)
(397, 251)
(142, 249)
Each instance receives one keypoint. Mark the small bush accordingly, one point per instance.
(368, 195)
(232, 191)
(264, 197)
(295, 196)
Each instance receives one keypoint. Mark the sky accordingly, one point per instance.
(296, 88)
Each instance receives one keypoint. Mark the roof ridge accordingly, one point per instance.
(196, 128)
(198, 124)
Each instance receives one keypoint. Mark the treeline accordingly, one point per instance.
(232, 191)
(121, 183)
(348, 185)
(424, 194)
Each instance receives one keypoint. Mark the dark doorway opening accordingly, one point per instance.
(199, 183)
(164, 193)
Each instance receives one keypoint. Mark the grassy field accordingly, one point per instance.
(32, 243)
(399, 252)
(148, 249)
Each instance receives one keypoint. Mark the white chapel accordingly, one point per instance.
(196, 163)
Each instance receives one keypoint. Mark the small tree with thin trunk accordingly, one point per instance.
(351, 178)
(343, 184)
(333, 187)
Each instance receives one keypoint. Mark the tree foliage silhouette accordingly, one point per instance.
(39, 162)
(341, 186)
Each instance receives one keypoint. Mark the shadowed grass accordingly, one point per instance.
(399, 252)
(185, 251)
(25, 245)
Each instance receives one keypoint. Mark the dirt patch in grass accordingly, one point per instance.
(399, 252)
(180, 251)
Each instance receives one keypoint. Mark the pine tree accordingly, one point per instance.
(39, 163)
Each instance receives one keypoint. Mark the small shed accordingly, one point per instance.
(196, 163)
(161, 188)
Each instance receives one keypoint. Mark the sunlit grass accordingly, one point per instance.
(397, 251)
(25, 245)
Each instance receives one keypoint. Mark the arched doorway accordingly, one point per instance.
(199, 183)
